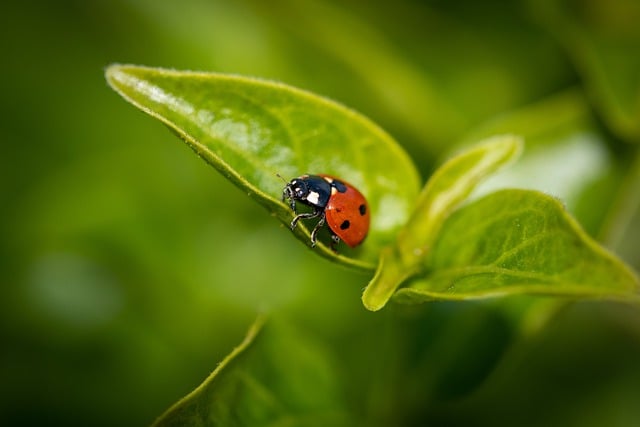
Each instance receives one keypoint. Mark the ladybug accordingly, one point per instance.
(334, 201)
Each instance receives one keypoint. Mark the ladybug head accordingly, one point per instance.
(296, 189)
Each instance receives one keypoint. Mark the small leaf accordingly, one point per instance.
(519, 242)
(274, 377)
(449, 186)
(251, 130)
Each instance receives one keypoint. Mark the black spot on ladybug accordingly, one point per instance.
(362, 209)
(345, 224)
(339, 186)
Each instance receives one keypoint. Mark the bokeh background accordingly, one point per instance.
(130, 267)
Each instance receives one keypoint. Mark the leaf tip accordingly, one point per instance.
(113, 73)
(371, 303)
(121, 76)
(389, 276)
(510, 145)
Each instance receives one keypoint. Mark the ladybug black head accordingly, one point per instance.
(295, 190)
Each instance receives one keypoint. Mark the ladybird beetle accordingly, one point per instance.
(334, 201)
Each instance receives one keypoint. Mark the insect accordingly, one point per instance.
(334, 201)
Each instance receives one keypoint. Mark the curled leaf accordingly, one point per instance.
(251, 130)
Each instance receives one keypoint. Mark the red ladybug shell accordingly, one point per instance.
(347, 213)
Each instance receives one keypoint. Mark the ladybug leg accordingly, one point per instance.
(314, 233)
(334, 241)
(292, 204)
(305, 215)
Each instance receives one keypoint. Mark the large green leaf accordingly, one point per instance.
(449, 186)
(252, 130)
(274, 377)
(515, 242)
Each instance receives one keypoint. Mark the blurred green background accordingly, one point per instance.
(131, 267)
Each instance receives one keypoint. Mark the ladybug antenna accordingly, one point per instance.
(280, 176)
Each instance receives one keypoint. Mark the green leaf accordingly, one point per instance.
(274, 377)
(252, 130)
(519, 242)
(449, 186)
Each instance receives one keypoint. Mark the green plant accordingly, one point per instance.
(433, 244)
